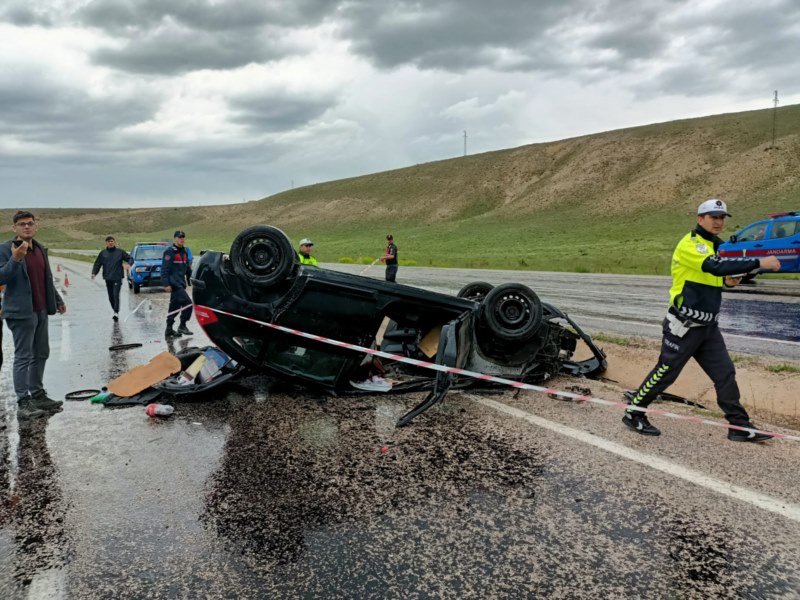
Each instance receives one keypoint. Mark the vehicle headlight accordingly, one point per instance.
(141, 269)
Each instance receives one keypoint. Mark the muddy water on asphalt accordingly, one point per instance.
(274, 491)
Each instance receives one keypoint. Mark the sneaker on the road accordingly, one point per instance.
(171, 333)
(184, 330)
(43, 402)
(374, 383)
(26, 410)
(115, 317)
(736, 435)
(639, 423)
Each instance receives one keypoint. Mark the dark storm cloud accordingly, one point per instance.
(24, 15)
(127, 15)
(176, 52)
(180, 36)
(736, 51)
(449, 34)
(44, 112)
(278, 112)
(756, 37)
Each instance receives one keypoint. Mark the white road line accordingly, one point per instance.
(775, 505)
(66, 341)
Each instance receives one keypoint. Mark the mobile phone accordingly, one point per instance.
(17, 243)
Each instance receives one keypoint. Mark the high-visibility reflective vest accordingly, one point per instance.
(695, 294)
(309, 260)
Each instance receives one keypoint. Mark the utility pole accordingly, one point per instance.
(774, 116)
(465, 142)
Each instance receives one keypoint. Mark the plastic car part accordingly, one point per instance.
(263, 256)
(446, 354)
(124, 346)
(511, 312)
(476, 291)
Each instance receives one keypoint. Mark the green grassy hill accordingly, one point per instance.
(611, 202)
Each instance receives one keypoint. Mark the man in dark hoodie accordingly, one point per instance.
(29, 298)
(112, 261)
(691, 329)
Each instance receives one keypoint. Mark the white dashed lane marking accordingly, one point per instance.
(774, 505)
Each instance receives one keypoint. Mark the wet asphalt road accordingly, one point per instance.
(270, 491)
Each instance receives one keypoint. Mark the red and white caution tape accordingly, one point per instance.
(181, 309)
(509, 382)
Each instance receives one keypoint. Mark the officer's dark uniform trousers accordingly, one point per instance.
(706, 345)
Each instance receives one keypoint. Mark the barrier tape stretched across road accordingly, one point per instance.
(509, 382)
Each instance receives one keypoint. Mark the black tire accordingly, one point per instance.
(476, 291)
(137, 288)
(511, 312)
(263, 256)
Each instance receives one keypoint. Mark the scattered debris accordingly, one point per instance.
(124, 346)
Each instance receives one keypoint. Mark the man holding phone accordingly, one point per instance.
(29, 298)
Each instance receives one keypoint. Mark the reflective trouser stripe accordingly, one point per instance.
(650, 383)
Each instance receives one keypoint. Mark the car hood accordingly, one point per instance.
(147, 263)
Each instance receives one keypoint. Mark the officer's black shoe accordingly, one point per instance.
(26, 410)
(639, 423)
(183, 330)
(43, 402)
(736, 435)
(171, 333)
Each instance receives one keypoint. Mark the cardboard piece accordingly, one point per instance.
(430, 343)
(142, 377)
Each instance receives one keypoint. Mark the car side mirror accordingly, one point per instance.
(734, 239)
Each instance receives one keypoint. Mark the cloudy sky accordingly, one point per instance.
(185, 102)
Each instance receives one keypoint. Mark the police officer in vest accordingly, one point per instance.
(306, 247)
(691, 329)
(175, 273)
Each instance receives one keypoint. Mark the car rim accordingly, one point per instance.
(513, 311)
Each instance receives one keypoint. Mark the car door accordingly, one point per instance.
(784, 242)
(750, 241)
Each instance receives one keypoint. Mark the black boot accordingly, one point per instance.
(43, 402)
(737, 435)
(183, 330)
(639, 423)
(171, 333)
(26, 410)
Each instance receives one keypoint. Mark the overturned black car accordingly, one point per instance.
(505, 331)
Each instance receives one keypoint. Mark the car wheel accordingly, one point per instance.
(511, 312)
(476, 291)
(263, 255)
(136, 288)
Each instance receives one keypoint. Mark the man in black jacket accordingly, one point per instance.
(112, 261)
(691, 328)
(175, 272)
